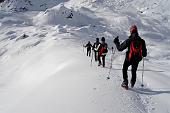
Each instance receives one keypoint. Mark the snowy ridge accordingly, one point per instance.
(44, 68)
(60, 15)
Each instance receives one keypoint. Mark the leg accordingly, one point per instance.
(134, 69)
(125, 68)
(89, 52)
(95, 55)
(103, 59)
(99, 60)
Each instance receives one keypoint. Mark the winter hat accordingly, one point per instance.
(133, 29)
(103, 39)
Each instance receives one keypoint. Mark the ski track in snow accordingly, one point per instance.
(34, 78)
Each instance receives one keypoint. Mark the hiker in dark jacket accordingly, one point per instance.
(88, 46)
(102, 51)
(95, 48)
(136, 51)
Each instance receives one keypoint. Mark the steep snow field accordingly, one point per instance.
(44, 67)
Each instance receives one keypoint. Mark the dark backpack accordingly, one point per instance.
(135, 52)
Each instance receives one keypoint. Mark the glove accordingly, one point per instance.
(116, 40)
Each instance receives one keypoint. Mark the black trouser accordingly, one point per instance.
(133, 71)
(88, 52)
(96, 55)
(103, 59)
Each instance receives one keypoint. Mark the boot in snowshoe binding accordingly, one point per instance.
(124, 85)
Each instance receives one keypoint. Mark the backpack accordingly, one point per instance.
(103, 49)
(135, 52)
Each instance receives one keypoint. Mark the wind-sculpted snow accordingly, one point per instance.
(61, 15)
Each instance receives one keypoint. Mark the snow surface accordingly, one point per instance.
(44, 67)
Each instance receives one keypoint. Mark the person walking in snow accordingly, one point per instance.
(102, 51)
(88, 46)
(95, 48)
(136, 51)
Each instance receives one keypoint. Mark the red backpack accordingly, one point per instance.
(103, 49)
(135, 50)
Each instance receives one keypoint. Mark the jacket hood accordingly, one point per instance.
(134, 35)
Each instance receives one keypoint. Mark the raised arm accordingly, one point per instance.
(122, 46)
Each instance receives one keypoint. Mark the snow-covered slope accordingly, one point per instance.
(44, 68)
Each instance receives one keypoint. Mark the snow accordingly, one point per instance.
(44, 67)
(33, 5)
(60, 15)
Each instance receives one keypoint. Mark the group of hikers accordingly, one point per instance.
(100, 50)
(136, 50)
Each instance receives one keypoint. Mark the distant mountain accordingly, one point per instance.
(24, 5)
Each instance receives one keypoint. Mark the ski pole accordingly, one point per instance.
(91, 59)
(142, 85)
(113, 52)
(83, 48)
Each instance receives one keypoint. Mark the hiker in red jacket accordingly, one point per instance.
(136, 51)
(102, 52)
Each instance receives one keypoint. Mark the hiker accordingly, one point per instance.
(88, 46)
(95, 49)
(136, 51)
(102, 51)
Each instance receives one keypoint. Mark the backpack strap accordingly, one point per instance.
(97, 48)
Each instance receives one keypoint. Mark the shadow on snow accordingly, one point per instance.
(148, 91)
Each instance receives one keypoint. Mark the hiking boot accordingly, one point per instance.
(99, 64)
(124, 85)
(132, 84)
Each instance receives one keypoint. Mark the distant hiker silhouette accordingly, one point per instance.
(136, 51)
(88, 46)
(102, 51)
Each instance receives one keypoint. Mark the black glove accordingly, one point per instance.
(116, 40)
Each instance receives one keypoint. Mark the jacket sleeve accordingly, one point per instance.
(106, 46)
(93, 46)
(122, 46)
(144, 50)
